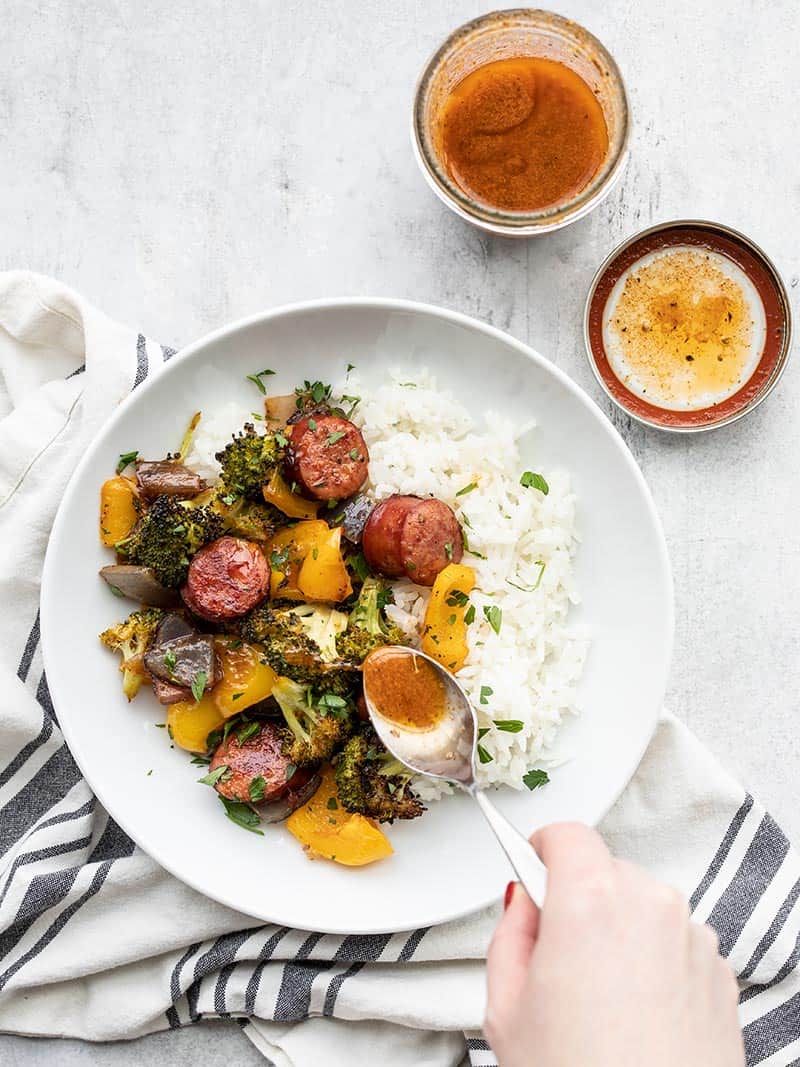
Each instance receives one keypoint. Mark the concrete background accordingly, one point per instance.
(184, 164)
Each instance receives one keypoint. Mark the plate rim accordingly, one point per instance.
(354, 303)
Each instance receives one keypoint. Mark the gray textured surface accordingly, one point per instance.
(183, 165)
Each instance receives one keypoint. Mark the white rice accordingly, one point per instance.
(421, 441)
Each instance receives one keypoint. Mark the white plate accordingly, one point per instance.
(446, 864)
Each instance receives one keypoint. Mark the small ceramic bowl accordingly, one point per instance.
(715, 260)
(505, 35)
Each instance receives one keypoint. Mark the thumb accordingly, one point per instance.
(510, 952)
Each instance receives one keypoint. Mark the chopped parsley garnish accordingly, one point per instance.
(312, 424)
(448, 550)
(531, 480)
(199, 685)
(256, 379)
(281, 440)
(200, 761)
(457, 599)
(483, 755)
(494, 616)
(510, 726)
(353, 401)
(332, 438)
(469, 615)
(486, 692)
(170, 661)
(116, 591)
(237, 696)
(242, 814)
(350, 366)
(451, 620)
(332, 804)
(319, 392)
(257, 788)
(469, 548)
(530, 588)
(214, 776)
(467, 489)
(125, 459)
(359, 565)
(533, 779)
(279, 559)
(331, 700)
(214, 739)
(247, 731)
(354, 455)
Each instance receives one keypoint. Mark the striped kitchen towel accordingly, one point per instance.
(98, 942)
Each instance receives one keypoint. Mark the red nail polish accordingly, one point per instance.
(509, 894)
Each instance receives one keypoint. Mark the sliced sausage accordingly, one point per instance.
(261, 756)
(430, 539)
(327, 457)
(412, 537)
(380, 541)
(226, 579)
(303, 785)
(167, 477)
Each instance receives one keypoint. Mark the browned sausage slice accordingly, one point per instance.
(226, 579)
(380, 541)
(430, 539)
(260, 756)
(327, 457)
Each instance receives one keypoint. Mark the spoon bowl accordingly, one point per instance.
(439, 739)
(444, 750)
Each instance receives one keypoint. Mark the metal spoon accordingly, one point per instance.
(447, 751)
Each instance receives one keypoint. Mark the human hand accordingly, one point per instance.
(610, 973)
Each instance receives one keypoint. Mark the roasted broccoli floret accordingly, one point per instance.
(372, 782)
(248, 461)
(245, 518)
(132, 638)
(300, 643)
(166, 537)
(367, 627)
(316, 726)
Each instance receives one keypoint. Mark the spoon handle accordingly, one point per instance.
(530, 869)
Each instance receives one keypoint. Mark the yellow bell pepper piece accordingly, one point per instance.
(324, 828)
(119, 509)
(287, 551)
(279, 494)
(245, 679)
(190, 723)
(444, 633)
(323, 575)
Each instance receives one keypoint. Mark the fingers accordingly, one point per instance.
(574, 856)
(510, 951)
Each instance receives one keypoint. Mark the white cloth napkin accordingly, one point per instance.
(98, 942)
